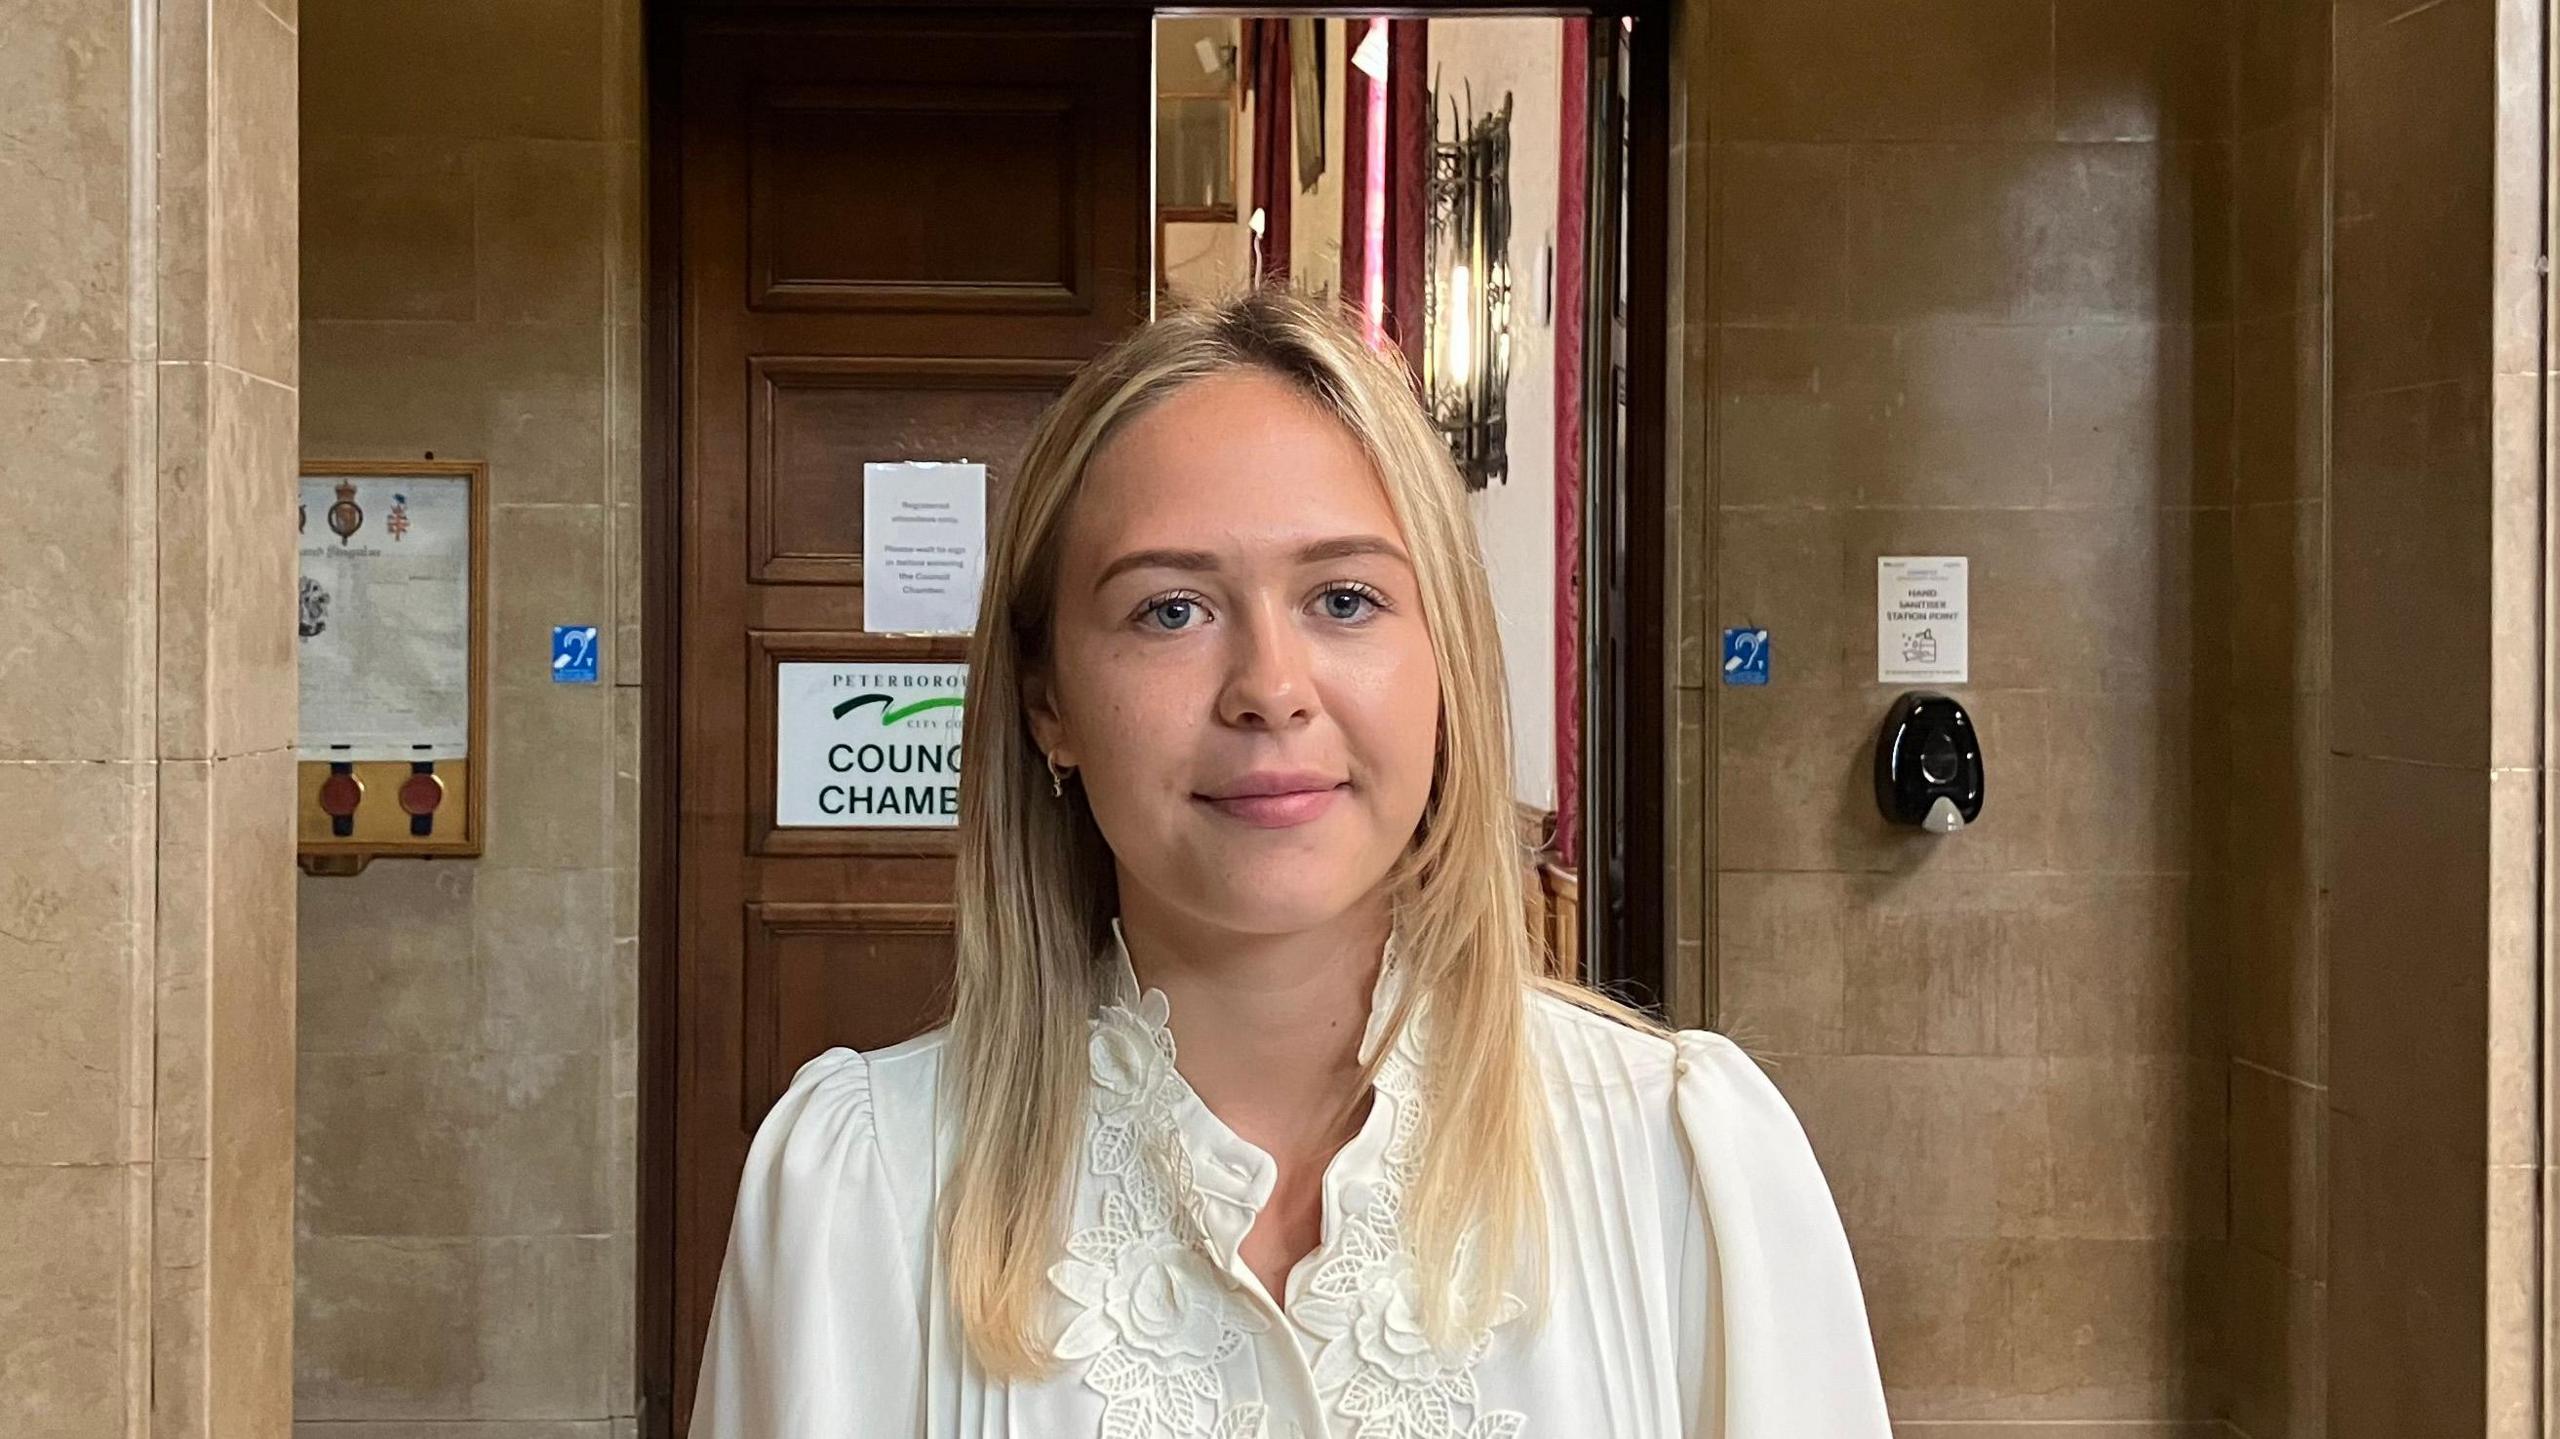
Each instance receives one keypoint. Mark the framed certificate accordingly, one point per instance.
(393, 659)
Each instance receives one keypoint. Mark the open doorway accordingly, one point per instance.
(789, 348)
(1457, 182)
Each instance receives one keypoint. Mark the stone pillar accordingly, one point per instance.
(2437, 720)
(148, 410)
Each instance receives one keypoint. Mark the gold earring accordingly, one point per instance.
(1057, 778)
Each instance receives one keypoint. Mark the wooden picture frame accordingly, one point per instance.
(380, 824)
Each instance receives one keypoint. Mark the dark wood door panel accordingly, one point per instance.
(924, 167)
(918, 170)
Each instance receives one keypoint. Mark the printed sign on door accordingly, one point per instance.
(868, 746)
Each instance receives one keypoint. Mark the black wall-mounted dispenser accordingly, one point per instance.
(1929, 764)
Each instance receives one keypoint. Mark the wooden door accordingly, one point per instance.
(900, 232)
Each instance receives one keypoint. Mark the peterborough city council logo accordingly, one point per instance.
(892, 712)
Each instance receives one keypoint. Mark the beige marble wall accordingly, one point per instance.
(2277, 633)
(2433, 779)
(2275, 997)
(1961, 283)
(473, 202)
(147, 417)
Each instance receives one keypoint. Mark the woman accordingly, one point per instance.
(1254, 1117)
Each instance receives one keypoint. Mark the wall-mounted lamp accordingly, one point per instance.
(1467, 360)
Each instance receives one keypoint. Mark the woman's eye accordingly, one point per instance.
(1173, 612)
(1348, 604)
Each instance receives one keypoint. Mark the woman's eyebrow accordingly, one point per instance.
(1204, 562)
(1197, 560)
(1350, 545)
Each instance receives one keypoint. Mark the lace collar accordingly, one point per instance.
(1122, 990)
(1211, 1182)
(1142, 1282)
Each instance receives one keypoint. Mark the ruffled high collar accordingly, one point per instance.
(1182, 1164)
(1385, 992)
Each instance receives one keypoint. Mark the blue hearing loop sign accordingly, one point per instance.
(1746, 657)
(573, 654)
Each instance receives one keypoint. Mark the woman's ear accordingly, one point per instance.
(1040, 710)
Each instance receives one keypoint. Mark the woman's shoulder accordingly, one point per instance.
(1749, 1222)
(854, 1085)
(909, 1068)
(824, 1289)
(1685, 1079)
(860, 1116)
(1587, 1046)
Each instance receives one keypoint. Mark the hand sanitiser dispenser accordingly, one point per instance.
(1929, 764)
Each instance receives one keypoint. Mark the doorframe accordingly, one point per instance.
(1626, 760)
(661, 715)
(1627, 763)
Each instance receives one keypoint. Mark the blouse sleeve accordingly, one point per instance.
(1775, 1298)
(815, 1328)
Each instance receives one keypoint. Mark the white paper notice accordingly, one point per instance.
(1922, 619)
(386, 617)
(924, 541)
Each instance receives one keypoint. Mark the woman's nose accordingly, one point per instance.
(1268, 685)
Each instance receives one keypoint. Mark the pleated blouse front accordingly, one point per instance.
(1698, 1282)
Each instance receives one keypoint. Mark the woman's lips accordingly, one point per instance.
(1267, 806)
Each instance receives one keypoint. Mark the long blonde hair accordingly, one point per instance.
(1036, 892)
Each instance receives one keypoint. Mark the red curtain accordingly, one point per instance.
(1355, 164)
(1407, 179)
(1263, 58)
(1406, 182)
(1573, 204)
(1409, 137)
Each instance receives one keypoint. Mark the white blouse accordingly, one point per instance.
(1698, 1282)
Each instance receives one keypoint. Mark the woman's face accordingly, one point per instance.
(1239, 668)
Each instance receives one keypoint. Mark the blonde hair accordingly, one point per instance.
(1036, 889)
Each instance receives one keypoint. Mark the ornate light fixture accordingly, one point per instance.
(1467, 362)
